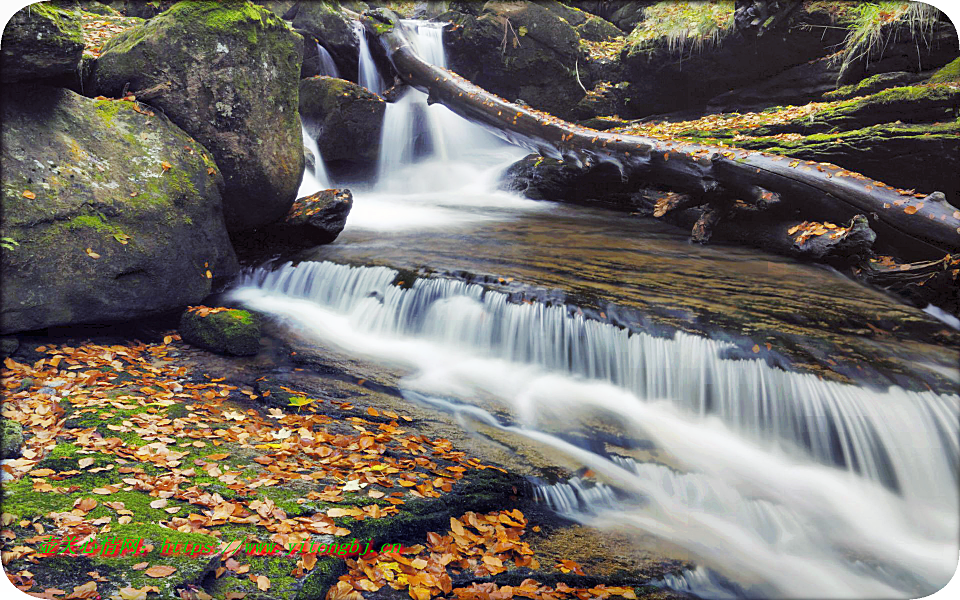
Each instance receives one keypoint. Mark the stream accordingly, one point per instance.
(793, 430)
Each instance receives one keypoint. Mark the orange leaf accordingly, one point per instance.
(160, 571)
(910, 210)
(29, 194)
(166, 166)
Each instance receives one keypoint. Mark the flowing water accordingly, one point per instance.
(794, 431)
(327, 66)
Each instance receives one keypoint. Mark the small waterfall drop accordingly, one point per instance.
(791, 485)
(369, 75)
(316, 179)
(327, 66)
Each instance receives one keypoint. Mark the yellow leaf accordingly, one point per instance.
(91, 253)
(166, 166)
(209, 274)
(29, 194)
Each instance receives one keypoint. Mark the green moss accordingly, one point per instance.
(947, 74)
(680, 25)
(66, 21)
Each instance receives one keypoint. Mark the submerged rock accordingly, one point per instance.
(11, 438)
(223, 330)
(335, 111)
(227, 74)
(116, 212)
(41, 41)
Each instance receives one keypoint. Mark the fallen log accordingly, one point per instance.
(911, 226)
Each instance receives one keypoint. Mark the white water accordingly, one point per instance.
(792, 486)
(327, 66)
(369, 76)
(317, 179)
(436, 170)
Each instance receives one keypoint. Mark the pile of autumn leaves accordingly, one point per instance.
(351, 454)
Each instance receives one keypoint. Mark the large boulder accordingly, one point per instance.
(325, 23)
(346, 120)
(11, 438)
(227, 74)
(684, 53)
(41, 41)
(115, 212)
(521, 51)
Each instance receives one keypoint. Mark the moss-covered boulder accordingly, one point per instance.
(684, 53)
(11, 438)
(323, 21)
(521, 51)
(116, 212)
(346, 120)
(598, 30)
(949, 73)
(41, 41)
(227, 74)
(222, 330)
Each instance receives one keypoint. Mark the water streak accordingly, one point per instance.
(326, 64)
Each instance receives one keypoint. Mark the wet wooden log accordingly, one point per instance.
(911, 226)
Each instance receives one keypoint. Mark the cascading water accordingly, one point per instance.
(791, 484)
(315, 179)
(432, 163)
(369, 75)
(327, 66)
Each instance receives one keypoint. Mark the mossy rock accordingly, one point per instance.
(229, 331)
(117, 212)
(334, 110)
(11, 438)
(228, 74)
(323, 21)
(41, 41)
(948, 74)
(873, 84)
(598, 30)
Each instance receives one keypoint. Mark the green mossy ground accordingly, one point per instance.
(950, 73)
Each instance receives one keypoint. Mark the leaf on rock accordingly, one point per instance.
(160, 571)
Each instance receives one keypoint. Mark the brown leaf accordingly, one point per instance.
(140, 566)
(85, 462)
(160, 571)
(158, 503)
(263, 583)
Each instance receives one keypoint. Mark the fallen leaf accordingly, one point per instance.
(28, 194)
(160, 571)
(166, 166)
(263, 583)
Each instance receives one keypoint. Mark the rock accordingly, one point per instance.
(670, 69)
(222, 330)
(336, 110)
(540, 178)
(106, 233)
(227, 74)
(319, 218)
(41, 41)
(314, 220)
(519, 50)
(797, 85)
(323, 22)
(874, 84)
(948, 74)
(145, 10)
(8, 345)
(598, 30)
(11, 438)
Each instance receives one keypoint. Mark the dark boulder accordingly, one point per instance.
(222, 330)
(116, 212)
(679, 59)
(324, 22)
(227, 74)
(520, 50)
(41, 41)
(346, 120)
(314, 220)
(11, 438)
(540, 178)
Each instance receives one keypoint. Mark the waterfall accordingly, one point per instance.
(416, 132)
(792, 485)
(327, 66)
(369, 75)
(317, 179)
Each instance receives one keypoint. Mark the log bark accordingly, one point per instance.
(912, 226)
